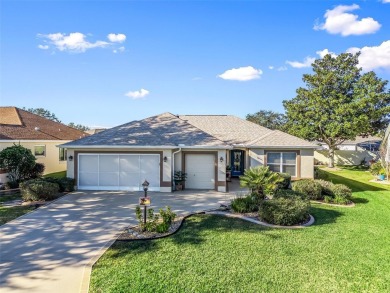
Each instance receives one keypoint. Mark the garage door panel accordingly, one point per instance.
(89, 163)
(115, 171)
(200, 169)
(89, 179)
(108, 163)
(108, 179)
(129, 163)
(129, 179)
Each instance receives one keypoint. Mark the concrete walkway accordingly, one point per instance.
(49, 249)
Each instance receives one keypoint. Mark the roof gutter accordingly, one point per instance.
(70, 146)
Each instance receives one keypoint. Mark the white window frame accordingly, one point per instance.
(44, 150)
(65, 154)
(281, 162)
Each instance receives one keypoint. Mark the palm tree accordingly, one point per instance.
(260, 180)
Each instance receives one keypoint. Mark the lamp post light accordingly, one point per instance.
(145, 185)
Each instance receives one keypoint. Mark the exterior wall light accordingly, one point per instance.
(221, 159)
(70, 158)
(165, 159)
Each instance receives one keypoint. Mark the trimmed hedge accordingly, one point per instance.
(284, 211)
(288, 193)
(309, 187)
(326, 187)
(286, 183)
(65, 184)
(246, 204)
(38, 189)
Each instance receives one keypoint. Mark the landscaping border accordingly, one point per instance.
(334, 205)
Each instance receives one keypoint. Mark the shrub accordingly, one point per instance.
(11, 185)
(152, 220)
(288, 193)
(65, 184)
(36, 171)
(326, 187)
(342, 191)
(18, 161)
(246, 204)
(309, 187)
(320, 174)
(37, 189)
(340, 200)
(376, 168)
(328, 199)
(284, 211)
(286, 183)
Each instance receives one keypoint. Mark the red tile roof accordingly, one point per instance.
(18, 124)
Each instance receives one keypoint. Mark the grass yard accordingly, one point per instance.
(61, 174)
(10, 197)
(9, 213)
(347, 250)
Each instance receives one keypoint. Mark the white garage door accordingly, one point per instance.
(118, 172)
(200, 171)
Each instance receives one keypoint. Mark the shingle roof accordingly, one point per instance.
(231, 129)
(236, 131)
(18, 124)
(161, 130)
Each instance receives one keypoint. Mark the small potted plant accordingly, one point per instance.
(382, 174)
(228, 173)
(179, 177)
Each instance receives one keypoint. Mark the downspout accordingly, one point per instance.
(173, 166)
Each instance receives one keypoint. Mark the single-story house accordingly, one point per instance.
(38, 134)
(351, 152)
(202, 146)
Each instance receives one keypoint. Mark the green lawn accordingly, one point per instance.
(9, 213)
(10, 197)
(61, 174)
(347, 250)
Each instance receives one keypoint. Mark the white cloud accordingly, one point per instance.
(373, 57)
(242, 73)
(339, 21)
(196, 78)
(43, 47)
(386, 1)
(119, 50)
(116, 38)
(271, 67)
(282, 68)
(324, 52)
(137, 94)
(74, 42)
(306, 63)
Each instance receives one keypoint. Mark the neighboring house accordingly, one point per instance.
(95, 130)
(351, 152)
(38, 134)
(121, 158)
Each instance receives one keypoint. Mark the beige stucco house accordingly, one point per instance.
(121, 158)
(38, 134)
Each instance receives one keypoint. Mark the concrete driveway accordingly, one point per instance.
(50, 249)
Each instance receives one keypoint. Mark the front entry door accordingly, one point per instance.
(237, 160)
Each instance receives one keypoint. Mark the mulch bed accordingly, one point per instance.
(135, 232)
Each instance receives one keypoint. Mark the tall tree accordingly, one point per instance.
(269, 119)
(338, 103)
(43, 113)
(78, 126)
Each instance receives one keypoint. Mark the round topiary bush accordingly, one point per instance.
(246, 204)
(38, 189)
(309, 187)
(284, 211)
(326, 186)
(288, 193)
(342, 194)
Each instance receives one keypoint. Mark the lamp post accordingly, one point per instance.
(145, 186)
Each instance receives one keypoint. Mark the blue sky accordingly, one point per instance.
(104, 63)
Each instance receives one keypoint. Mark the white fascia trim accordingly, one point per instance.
(139, 147)
(33, 140)
(284, 147)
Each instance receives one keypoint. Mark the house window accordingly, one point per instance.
(285, 162)
(62, 154)
(40, 150)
